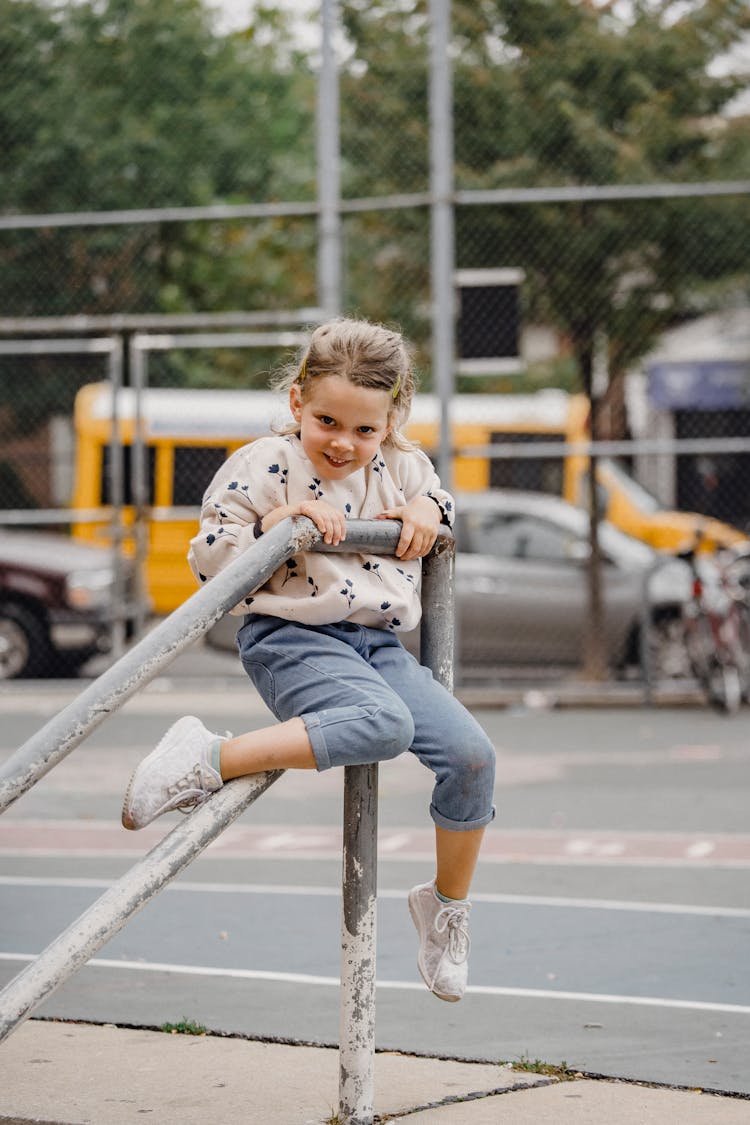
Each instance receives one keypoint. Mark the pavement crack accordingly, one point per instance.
(458, 1099)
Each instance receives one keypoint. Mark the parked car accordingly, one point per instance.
(522, 593)
(56, 603)
(522, 587)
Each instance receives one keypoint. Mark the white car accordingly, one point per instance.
(522, 590)
(522, 587)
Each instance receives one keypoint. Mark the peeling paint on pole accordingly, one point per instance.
(359, 893)
(357, 1016)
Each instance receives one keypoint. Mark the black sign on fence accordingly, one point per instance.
(489, 321)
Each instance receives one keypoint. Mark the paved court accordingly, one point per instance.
(610, 921)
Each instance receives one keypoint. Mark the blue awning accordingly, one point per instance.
(700, 385)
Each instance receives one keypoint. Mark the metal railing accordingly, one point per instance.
(84, 937)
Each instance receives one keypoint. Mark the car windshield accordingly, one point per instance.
(635, 492)
(620, 546)
(556, 533)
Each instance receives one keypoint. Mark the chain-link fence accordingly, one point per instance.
(160, 177)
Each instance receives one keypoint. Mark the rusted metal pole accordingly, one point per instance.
(358, 946)
(359, 872)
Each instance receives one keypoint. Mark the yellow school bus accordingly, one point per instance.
(187, 434)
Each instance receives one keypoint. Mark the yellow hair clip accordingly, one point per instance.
(396, 388)
(302, 371)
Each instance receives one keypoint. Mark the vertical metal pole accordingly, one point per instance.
(437, 633)
(329, 166)
(139, 478)
(358, 946)
(644, 637)
(116, 498)
(442, 250)
(357, 1030)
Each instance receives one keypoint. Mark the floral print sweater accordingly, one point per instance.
(317, 588)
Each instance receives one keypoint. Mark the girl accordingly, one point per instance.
(319, 640)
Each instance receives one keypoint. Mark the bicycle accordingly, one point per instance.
(717, 627)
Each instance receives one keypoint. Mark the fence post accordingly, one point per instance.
(644, 639)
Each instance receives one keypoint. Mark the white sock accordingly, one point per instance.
(216, 755)
(444, 898)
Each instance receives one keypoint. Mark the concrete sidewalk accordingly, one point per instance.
(55, 1073)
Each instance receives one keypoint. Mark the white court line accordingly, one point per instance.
(557, 901)
(402, 985)
(683, 863)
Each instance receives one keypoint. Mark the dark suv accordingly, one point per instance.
(56, 603)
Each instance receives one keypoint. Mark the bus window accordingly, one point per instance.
(127, 488)
(194, 468)
(532, 474)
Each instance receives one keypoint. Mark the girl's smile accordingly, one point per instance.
(342, 426)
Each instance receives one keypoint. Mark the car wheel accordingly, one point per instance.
(67, 665)
(24, 644)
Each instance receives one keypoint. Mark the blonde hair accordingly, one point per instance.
(368, 355)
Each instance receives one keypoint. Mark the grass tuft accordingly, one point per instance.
(184, 1027)
(561, 1071)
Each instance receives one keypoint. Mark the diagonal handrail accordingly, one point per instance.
(158, 649)
(76, 945)
(84, 937)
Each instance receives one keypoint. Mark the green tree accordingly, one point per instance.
(126, 104)
(558, 93)
(603, 101)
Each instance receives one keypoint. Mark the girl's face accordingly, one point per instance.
(341, 425)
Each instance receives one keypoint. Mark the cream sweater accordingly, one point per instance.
(317, 589)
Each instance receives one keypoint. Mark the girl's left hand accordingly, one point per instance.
(420, 521)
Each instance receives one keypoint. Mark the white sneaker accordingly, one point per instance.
(444, 942)
(176, 775)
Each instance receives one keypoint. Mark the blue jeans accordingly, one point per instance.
(363, 698)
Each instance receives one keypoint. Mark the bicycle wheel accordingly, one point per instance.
(743, 639)
(701, 650)
(731, 682)
(725, 688)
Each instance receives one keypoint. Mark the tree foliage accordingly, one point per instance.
(120, 104)
(557, 93)
(117, 104)
(608, 102)
(110, 104)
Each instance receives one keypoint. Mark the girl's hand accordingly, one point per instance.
(420, 521)
(329, 521)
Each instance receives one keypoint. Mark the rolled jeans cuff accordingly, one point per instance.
(317, 741)
(461, 825)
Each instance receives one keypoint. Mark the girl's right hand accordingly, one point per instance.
(329, 521)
